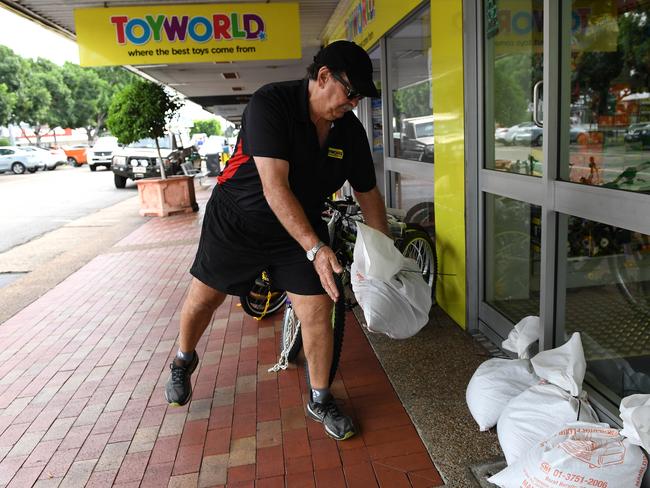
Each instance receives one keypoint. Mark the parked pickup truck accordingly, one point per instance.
(140, 159)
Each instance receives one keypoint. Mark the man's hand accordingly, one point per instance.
(326, 265)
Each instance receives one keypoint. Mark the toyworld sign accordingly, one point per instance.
(187, 33)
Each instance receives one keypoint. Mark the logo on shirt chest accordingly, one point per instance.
(333, 152)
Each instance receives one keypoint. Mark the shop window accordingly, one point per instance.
(512, 256)
(609, 138)
(607, 294)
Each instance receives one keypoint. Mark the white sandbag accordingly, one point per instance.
(497, 381)
(564, 366)
(494, 383)
(388, 286)
(523, 334)
(531, 416)
(398, 307)
(376, 255)
(635, 413)
(580, 455)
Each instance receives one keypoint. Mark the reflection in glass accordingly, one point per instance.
(608, 301)
(512, 256)
(414, 196)
(411, 118)
(513, 67)
(609, 134)
(409, 72)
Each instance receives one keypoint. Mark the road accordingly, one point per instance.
(33, 204)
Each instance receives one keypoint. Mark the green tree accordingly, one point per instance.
(60, 106)
(116, 79)
(594, 74)
(414, 100)
(87, 90)
(33, 101)
(634, 41)
(11, 71)
(510, 100)
(7, 103)
(210, 127)
(142, 109)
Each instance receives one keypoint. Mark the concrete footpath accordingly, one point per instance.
(86, 339)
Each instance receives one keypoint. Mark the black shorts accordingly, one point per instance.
(234, 250)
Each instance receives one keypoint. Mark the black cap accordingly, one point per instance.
(351, 59)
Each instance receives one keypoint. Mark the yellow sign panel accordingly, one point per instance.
(366, 21)
(187, 33)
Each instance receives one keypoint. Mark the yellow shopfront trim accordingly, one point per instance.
(365, 22)
(449, 155)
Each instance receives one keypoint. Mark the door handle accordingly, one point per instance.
(536, 119)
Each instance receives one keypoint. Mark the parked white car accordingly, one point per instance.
(101, 154)
(48, 159)
(13, 158)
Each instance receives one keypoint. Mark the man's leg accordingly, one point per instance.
(200, 304)
(315, 315)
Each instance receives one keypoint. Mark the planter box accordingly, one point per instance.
(160, 198)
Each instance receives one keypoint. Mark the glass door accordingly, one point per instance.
(564, 181)
(513, 165)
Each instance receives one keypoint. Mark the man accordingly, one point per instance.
(298, 144)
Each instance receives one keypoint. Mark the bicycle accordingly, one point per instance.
(626, 253)
(342, 217)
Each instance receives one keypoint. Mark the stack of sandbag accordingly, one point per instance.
(583, 455)
(547, 407)
(579, 455)
(497, 381)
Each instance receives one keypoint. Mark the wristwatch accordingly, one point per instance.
(311, 254)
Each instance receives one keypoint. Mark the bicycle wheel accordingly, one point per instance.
(291, 336)
(338, 329)
(262, 300)
(418, 245)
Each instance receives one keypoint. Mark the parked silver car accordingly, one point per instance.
(13, 158)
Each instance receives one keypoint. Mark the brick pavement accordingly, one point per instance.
(82, 371)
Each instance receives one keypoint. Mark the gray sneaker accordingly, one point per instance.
(337, 425)
(178, 389)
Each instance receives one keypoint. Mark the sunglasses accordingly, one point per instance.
(351, 92)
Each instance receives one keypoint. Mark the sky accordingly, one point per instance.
(30, 40)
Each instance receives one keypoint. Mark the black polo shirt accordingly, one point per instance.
(276, 124)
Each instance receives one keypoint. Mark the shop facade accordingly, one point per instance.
(522, 129)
